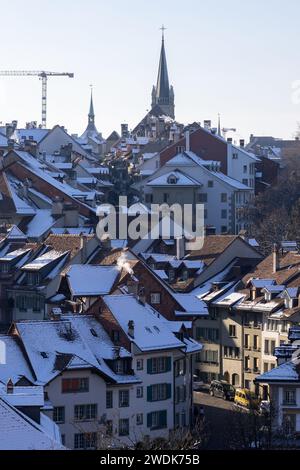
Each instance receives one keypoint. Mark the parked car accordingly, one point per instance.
(222, 389)
(246, 398)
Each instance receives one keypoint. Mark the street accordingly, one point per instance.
(216, 412)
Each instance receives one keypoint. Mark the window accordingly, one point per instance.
(266, 366)
(109, 427)
(231, 352)
(210, 184)
(224, 214)
(223, 197)
(85, 412)
(255, 364)
(224, 229)
(235, 156)
(171, 275)
(289, 397)
(85, 440)
(202, 197)
(255, 342)
(269, 347)
(149, 198)
(247, 341)
(245, 181)
(59, 414)
(245, 169)
(123, 427)
(180, 367)
(208, 356)
(139, 419)
(139, 364)
(157, 419)
(63, 439)
(4, 267)
(115, 334)
(109, 399)
(75, 385)
(155, 298)
(232, 331)
(183, 418)
(123, 398)
(32, 278)
(247, 362)
(180, 394)
(205, 214)
(139, 392)
(36, 304)
(21, 303)
(158, 365)
(165, 197)
(207, 334)
(289, 423)
(177, 420)
(158, 392)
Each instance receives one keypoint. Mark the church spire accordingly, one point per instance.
(162, 86)
(163, 94)
(91, 111)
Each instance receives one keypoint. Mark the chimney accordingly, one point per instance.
(180, 248)
(187, 141)
(55, 314)
(253, 293)
(131, 328)
(207, 124)
(275, 258)
(242, 143)
(10, 387)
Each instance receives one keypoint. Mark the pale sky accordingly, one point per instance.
(231, 57)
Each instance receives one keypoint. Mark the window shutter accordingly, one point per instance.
(169, 391)
(168, 364)
(149, 366)
(149, 420)
(163, 418)
(149, 393)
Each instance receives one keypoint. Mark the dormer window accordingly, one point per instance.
(4, 267)
(172, 179)
(33, 278)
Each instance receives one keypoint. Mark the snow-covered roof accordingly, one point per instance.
(191, 304)
(19, 432)
(286, 372)
(12, 255)
(230, 181)
(40, 224)
(36, 134)
(261, 283)
(72, 342)
(42, 260)
(14, 366)
(176, 175)
(150, 331)
(88, 280)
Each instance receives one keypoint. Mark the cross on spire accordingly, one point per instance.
(162, 31)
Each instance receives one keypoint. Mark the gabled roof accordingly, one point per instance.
(19, 432)
(91, 281)
(150, 331)
(181, 178)
(286, 372)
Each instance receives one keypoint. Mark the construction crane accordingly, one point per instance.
(42, 76)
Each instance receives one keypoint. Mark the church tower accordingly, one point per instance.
(163, 93)
(91, 130)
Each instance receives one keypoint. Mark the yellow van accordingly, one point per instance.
(246, 398)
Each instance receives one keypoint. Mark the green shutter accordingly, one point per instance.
(149, 393)
(163, 418)
(149, 420)
(149, 366)
(168, 364)
(169, 391)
